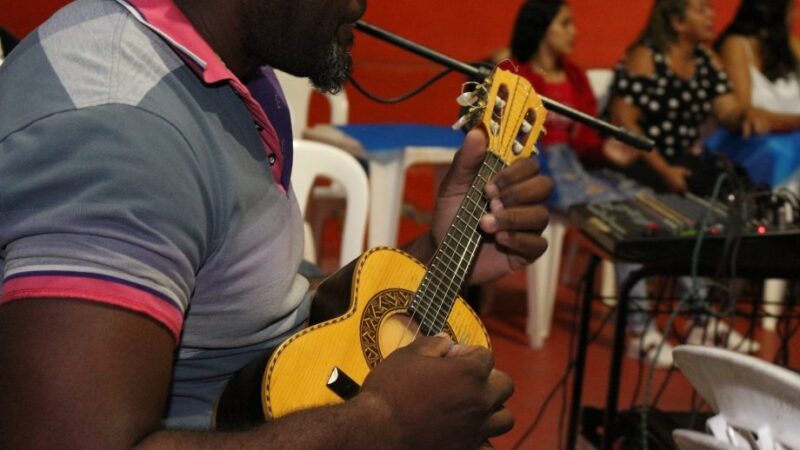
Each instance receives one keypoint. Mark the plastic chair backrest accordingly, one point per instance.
(600, 81)
(298, 95)
(315, 159)
(750, 395)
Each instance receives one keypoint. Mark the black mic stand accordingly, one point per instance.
(481, 73)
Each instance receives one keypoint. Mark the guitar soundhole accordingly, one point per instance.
(386, 326)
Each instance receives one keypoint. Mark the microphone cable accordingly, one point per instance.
(401, 98)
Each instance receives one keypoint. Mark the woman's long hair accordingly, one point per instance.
(532, 22)
(659, 32)
(766, 21)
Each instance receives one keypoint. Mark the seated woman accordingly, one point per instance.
(761, 58)
(668, 84)
(543, 38)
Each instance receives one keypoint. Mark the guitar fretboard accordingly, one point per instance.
(449, 266)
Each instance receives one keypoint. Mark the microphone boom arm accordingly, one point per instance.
(603, 127)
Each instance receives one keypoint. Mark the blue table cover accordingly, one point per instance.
(773, 159)
(377, 137)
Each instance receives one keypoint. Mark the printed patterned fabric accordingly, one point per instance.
(673, 108)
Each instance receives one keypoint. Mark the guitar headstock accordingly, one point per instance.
(509, 110)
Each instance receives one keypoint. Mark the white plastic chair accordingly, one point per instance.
(544, 274)
(313, 160)
(298, 96)
(758, 403)
(600, 81)
(387, 168)
(693, 440)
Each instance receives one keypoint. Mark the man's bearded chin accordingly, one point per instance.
(331, 75)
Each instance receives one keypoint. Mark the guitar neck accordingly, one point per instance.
(437, 293)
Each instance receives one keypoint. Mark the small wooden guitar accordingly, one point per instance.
(393, 297)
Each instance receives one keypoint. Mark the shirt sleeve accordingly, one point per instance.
(633, 89)
(105, 204)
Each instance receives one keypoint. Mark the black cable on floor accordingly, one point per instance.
(561, 383)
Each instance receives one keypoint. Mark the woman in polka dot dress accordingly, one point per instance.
(667, 86)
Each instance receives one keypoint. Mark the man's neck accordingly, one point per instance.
(220, 29)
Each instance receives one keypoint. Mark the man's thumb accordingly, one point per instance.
(467, 162)
(438, 345)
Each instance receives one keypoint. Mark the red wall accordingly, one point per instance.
(464, 29)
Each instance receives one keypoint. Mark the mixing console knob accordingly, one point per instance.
(650, 229)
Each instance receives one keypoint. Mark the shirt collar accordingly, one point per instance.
(164, 18)
(169, 22)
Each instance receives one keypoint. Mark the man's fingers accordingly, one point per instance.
(527, 245)
(526, 192)
(502, 421)
(518, 171)
(437, 346)
(526, 219)
(500, 388)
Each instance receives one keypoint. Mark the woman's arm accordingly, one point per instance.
(728, 109)
(775, 121)
(639, 62)
(735, 61)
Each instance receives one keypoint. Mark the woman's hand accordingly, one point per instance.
(674, 178)
(620, 154)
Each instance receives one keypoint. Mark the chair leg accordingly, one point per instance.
(541, 280)
(774, 291)
(386, 180)
(556, 247)
(608, 283)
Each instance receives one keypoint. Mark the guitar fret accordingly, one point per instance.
(448, 269)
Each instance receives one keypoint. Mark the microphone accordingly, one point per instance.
(605, 128)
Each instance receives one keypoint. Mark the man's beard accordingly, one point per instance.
(330, 75)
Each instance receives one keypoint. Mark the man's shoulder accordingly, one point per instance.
(90, 53)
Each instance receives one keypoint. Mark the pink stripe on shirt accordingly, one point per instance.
(95, 290)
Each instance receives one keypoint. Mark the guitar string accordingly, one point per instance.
(428, 291)
(434, 275)
(468, 249)
(447, 289)
(521, 118)
(515, 129)
(431, 275)
(465, 326)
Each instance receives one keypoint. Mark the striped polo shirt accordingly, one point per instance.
(137, 171)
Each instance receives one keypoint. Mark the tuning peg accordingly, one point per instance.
(467, 98)
(495, 128)
(526, 127)
(499, 103)
(517, 148)
(461, 123)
